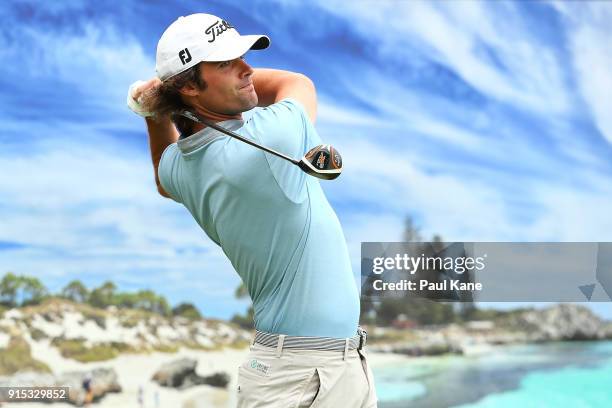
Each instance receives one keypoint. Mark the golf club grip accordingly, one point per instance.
(196, 118)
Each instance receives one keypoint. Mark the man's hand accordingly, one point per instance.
(136, 90)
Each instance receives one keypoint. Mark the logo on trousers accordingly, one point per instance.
(260, 366)
(185, 56)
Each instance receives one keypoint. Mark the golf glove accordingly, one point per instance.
(133, 104)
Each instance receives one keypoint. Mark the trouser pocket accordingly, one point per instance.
(311, 392)
(282, 386)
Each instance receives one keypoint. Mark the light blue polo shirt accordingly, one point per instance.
(272, 220)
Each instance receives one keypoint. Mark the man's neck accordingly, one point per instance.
(212, 116)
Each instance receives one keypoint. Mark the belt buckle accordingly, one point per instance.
(363, 336)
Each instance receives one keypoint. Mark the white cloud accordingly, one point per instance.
(98, 59)
(572, 215)
(590, 39)
(454, 34)
(382, 179)
(331, 113)
(95, 202)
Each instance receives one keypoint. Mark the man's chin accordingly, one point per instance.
(251, 102)
(246, 104)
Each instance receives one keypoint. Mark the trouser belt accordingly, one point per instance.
(281, 341)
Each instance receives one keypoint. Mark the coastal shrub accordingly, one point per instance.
(99, 352)
(131, 317)
(239, 344)
(188, 310)
(76, 349)
(166, 348)
(38, 334)
(48, 317)
(129, 322)
(17, 357)
(98, 316)
(100, 321)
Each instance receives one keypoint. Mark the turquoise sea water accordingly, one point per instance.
(568, 374)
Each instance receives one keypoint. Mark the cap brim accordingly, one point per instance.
(238, 47)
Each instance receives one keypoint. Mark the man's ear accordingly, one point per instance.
(190, 89)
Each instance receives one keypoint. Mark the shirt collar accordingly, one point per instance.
(206, 135)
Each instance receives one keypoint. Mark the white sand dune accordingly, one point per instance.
(135, 371)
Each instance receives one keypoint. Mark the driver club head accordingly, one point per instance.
(323, 162)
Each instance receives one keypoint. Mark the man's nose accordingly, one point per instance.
(245, 69)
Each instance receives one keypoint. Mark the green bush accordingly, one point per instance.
(98, 316)
(187, 310)
(38, 334)
(17, 357)
(77, 350)
(166, 348)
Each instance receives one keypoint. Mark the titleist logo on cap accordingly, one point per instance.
(218, 28)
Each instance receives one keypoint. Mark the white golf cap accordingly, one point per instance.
(201, 37)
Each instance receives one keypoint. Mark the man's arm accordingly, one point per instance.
(162, 133)
(273, 85)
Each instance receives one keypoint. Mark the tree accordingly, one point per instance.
(8, 289)
(75, 291)
(149, 300)
(21, 290)
(32, 291)
(187, 310)
(128, 300)
(103, 295)
(411, 231)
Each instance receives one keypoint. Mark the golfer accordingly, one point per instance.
(272, 220)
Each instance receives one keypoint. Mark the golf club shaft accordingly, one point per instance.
(197, 118)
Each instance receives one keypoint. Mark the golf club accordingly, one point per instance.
(321, 161)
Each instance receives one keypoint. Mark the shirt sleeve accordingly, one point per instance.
(167, 170)
(286, 128)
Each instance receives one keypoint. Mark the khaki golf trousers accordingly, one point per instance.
(292, 378)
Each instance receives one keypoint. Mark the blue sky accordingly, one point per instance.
(485, 121)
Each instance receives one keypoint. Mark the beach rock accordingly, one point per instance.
(175, 373)
(563, 322)
(217, 380)
(181, 374)
(103, 381)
